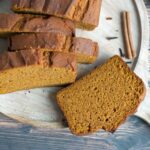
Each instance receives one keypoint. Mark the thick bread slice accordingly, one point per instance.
(28, 69)
(85, 49)
(84, 13)
(102, 99)
(17, 23)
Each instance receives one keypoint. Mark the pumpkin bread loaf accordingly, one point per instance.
(102, 99)
(28, 69)
(16, 23)
(84, 13)
(86, 50)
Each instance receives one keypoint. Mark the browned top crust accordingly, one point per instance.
(63, 60)
(54, 42)
(84, 46)
(17, 59)
(85, 12)
(22, 58)
(49, 24)
(8, 21)
(92, 14)
(33, 23)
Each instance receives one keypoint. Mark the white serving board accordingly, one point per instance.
(38, 107)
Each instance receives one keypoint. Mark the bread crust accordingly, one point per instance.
(25, 23)
(84, 13)
(85, 50)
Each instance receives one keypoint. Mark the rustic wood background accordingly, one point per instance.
(133, 135)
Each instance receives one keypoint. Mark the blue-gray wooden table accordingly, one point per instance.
(134, 134)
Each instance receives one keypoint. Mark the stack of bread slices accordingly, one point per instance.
(43, 47)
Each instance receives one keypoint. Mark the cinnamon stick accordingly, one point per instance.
(130, 35)
(131, 53)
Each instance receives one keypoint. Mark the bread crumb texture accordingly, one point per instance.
(27, 69)
(103, 99)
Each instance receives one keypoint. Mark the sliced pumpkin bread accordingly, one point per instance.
(102, 99)
(23, 23)
(85, 49)
(28, 69)
(85, 13)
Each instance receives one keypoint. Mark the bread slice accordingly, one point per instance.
(85, 49)
(16, 23)
(102, 99)
(28, 69)
(84, 13)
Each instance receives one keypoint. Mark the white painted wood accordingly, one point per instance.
(38, 106)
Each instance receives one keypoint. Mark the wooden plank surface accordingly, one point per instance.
(133, 135)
